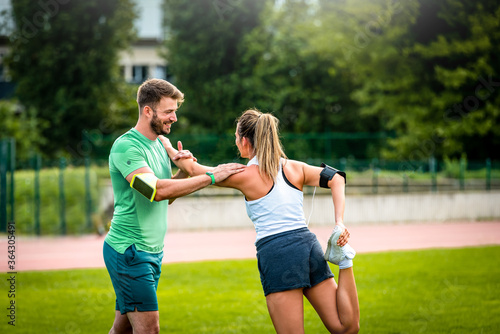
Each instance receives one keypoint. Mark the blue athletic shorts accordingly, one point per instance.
(135, 275)
(291, 260)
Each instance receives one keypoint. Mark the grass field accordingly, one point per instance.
(431, 291)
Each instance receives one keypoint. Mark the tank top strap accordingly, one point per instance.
(253, 161)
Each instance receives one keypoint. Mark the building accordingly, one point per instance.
(143, 60)
(6, 86)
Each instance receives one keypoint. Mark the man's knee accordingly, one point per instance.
(149, 329)
(121, 325)
(155, 329)
(122, 330)
(145, 322)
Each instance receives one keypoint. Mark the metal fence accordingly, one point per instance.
(58, 197)
(364, 177)
(7, 167)
(376, 176)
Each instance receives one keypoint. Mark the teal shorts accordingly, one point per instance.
(135, 275)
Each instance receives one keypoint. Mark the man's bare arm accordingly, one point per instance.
(174, 188)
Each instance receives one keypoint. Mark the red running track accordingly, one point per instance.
(51, 253)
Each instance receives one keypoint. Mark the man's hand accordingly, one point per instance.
(183, 154)
(222, 172)
(176, 155)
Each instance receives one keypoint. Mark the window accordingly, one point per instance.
(2, 69)
(139, 73)
(161, 72)
(122, 71)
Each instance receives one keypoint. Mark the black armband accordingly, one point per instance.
(327, 174)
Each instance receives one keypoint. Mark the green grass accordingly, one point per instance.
(431, 291)
(439, 291)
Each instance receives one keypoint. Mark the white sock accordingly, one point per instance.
(345, 263)
(349, 253)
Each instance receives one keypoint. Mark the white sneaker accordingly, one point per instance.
(334, 253)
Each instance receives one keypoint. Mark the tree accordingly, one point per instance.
(293, 77)
(64, 57)
(463, 65)
(257, 54)
(21, 125)
(430, 71)
(205, 51)
(423, 70)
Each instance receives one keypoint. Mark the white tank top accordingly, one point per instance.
(280, 210)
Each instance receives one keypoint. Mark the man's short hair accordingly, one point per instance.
(153, 90)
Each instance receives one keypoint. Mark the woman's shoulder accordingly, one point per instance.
(293, 165)
(249, 182)
(294, 171)
(241, 179)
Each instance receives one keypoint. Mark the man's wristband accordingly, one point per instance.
(211, 176)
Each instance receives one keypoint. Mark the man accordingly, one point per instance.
(133, 248)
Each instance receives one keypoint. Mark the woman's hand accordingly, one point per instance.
(344, 237)
(166, 142)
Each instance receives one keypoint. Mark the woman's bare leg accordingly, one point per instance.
(337, 306)
(287, 311)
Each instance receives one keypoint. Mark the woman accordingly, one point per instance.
(290, 258)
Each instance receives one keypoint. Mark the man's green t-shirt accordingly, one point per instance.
(136, 220)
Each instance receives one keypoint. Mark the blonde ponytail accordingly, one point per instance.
(263, 134)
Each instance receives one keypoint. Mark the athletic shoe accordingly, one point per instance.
(349, 254)
(334, 253)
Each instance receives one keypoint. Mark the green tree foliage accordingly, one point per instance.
(367, 40)
(226, 66)
(228, 56)
(64, 57)
(462, 59)
(205, 52)
(22, 125)
(430, 71)
(427, 71)
(307, 88)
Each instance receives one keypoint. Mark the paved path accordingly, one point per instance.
(86, 251)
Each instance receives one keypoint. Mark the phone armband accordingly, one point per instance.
(145, 184)
(327, 174)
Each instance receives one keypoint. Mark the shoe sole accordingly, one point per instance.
(331, 244)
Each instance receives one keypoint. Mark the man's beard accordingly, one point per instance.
(157, 126)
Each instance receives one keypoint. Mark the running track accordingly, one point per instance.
(51, 253)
